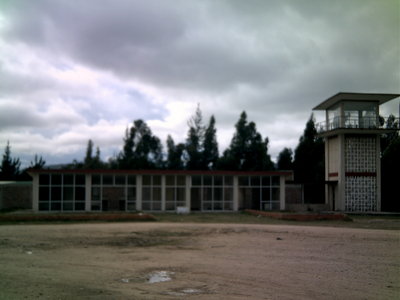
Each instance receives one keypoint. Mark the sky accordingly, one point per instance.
(71, 71)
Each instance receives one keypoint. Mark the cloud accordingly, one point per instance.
(70, 68)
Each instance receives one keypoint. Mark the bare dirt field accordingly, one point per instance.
(197, 261)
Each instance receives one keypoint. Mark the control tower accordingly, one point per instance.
(352, 132)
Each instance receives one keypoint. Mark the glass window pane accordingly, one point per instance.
(55, 206)
(207, 194)
(217, 194)
(266, 194)
(275, 180)
(146, 193)
(131, 179)
(157, 194)
(56, 179)
(207, 205)
(255, 180)
(170, 206)
(67, 206)
(180, 194)
(95, 206)
(80, 179)
(170, 194)
(43, 206)
(79, 193)
(131, 194)
(146, 180)
(180, 180)
(68, 179)
(68, 193)
(218, 206)
(228, 194)
(56, 193)
(44, 179)
(228, 205)
(157, 205)
(157, 180)
(275, 194)
(44, 193)
(196, 180)
(79, 205)
(131, 206)
(266, 180)
(120, 179)
(207, 180)
(96, 194)
(108, 179)
(170, 180)
(217, 180)
(228, 180)
(96, 179)
(243, 180)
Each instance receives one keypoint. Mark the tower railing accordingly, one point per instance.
(346, 122)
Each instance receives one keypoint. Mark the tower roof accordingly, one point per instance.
(381, 98)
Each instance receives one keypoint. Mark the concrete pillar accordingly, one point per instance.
(235, 193)
(163, 193)
(139, 192)
(35, 192)
(282, 192)
(88, 192)
(187, 191)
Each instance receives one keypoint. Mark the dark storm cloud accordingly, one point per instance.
(274, 59)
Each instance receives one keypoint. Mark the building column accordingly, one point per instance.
(378, 174)
(235, 193)
(35, 192)
(88, 192)
(282, 193)
(163, 192)
(187, 191)
(138, 192)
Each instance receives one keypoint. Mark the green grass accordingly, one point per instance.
(367, 222)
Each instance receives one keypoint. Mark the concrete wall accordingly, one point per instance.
(16, 195)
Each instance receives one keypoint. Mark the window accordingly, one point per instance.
(151, 192)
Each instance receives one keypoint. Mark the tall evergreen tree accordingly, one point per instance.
(247, 151)
(285, 159)
(309, 164)
(38, 163)
(9, 169)
(175, 153)
(194, 141)
(210, 146)
(142, 150)
(90, 161)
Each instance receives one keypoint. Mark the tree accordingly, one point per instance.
(90, 161)
(142, 150)
(285, 159)
(9, 166)
(210, 146)
(247, 151)
(175, 153)
(38, 163)
(390, 175)
(194, 141)
(309, 164)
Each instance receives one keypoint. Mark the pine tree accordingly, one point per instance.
(38, 163)
(194, 141)
(247, 151)
(285, 159)
(309, 164)
(210, 146)
(142, 150)
(9, 166)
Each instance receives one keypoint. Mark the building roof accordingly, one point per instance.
(286, 173)
(381, 98)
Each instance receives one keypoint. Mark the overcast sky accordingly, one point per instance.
(77, 70)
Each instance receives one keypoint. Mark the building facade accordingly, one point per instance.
(157, 190)
(352, 132)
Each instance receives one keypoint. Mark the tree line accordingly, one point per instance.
(247, 151)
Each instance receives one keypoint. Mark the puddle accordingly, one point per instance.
(186, 292)
(160, 276)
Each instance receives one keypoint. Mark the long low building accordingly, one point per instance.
(157, 190)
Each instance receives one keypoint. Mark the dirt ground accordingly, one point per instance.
(202, 261)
